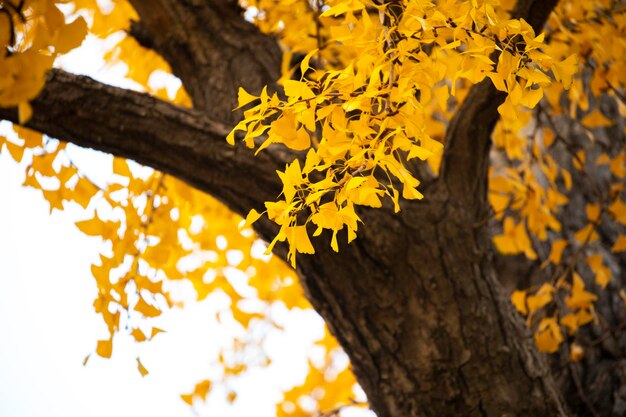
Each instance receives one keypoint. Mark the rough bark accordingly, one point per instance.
(211, 48)
(183, 142)
(429, 304)
(414, 301)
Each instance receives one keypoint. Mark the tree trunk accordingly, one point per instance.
(414, 301)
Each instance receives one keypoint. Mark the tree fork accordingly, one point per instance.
(427, 328)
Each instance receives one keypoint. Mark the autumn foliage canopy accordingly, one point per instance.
(367, 92)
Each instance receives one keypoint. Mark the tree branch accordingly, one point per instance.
(179, 141)
(468, 138)
(211, 48)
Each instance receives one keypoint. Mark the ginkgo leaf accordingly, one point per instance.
(618, 211)
(601, 271)
(84, 191)
(146, 309)
(548, 336)
(138, 335)
(298, 89)
(579, 298)
(564, 71)
(302, 241)
(91, 227)
(155, 331)
(252, 217)
(25, 112)
(558, 246)
(244, 98)
(518, 298)
(596, 119)
(304, 65)
(587, 234)
(104, 348)
(540, 299)
(142, 370)
(620, 244)
(120, 167)
(71, 35)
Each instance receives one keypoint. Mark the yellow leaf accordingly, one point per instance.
(155, 331)
(596, 119)
(557, 251)
(304, 65)
(202, 389)
(243, 98)
(120, 167)
(518, 298)
(602, 273)
(576, 352)
(593, 212)
(55, 199)
(570, 322)
(618, 210)
(498, 81)
(142, 370)
(71, 35)
(579, 298)
(540, 299)
(564, 71)
(579, 160)
(25, 112)
(298, 89)
(104, 348)
(620, 244)
(587, 234)
(583, 317)
(91, 227)
(84, 191)
(16, 151)
(530, 97)
(333, 242)
(548, 337)
(301, 239)
(138, 335)
(548, 138)
(146, 309)
(252, 216)
(567, 179)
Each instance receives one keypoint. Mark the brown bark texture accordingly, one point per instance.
(415, 301)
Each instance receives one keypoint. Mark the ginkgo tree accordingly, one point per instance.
(444, 180)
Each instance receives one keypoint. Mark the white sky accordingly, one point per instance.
(48, 325)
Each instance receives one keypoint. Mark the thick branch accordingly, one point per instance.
(413, 301)
(211, 47)
(468, 138)
(176, 140)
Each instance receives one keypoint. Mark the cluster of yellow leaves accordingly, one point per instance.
(575, 310)
(362, 123)
(376, 91)
(328, 388)
(32, 34)
(366, 71)
(155, 229)
(530, 188)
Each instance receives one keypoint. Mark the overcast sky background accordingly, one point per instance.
(48, 324)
